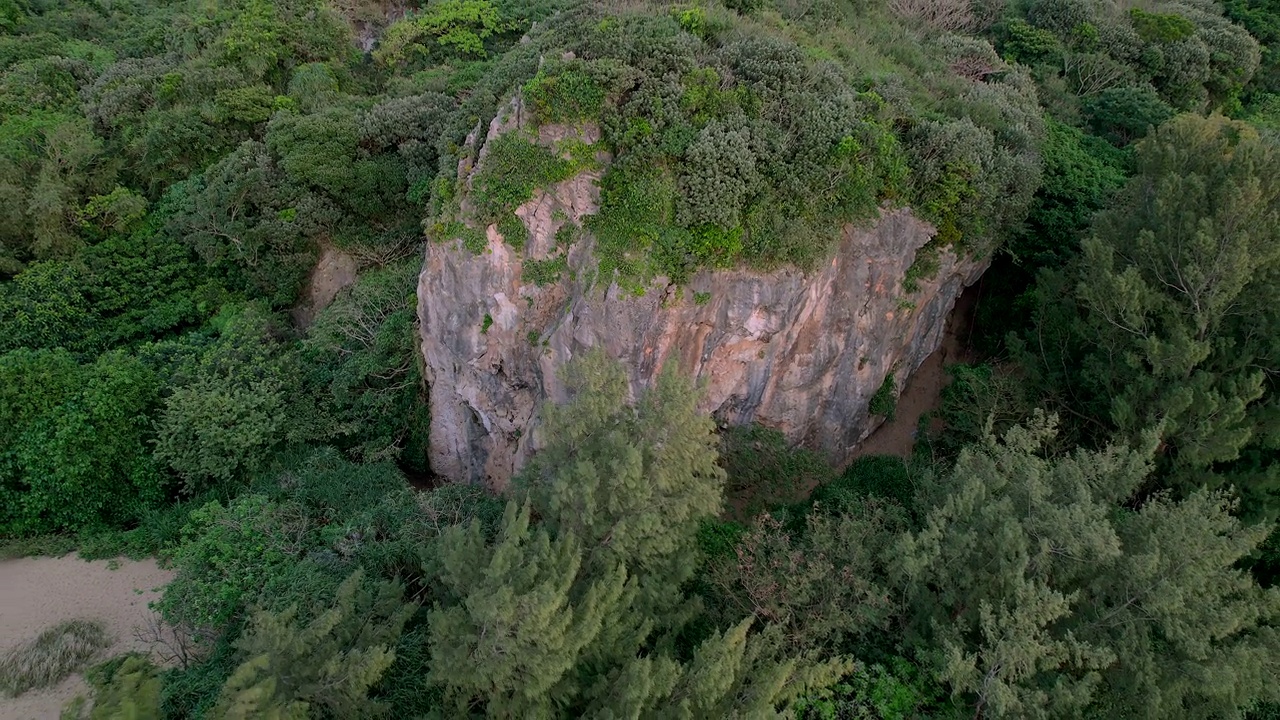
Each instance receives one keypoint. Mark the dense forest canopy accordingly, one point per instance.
(1086, 531)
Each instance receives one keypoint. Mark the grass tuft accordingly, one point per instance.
(37, 545)
(53, 655)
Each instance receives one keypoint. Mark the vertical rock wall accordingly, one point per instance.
(800, 352)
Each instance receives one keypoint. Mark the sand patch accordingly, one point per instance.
(923, 391)
(36, 593)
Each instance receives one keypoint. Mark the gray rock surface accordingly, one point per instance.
(800, 352)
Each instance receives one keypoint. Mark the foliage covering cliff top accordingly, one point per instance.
(738, 139)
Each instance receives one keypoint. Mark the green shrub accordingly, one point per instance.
(544, 272)
(124, 289)
(74, 439)
(458, 27)
(817, 577)
(924, 267)
(1161, 27)
(1029, 45)
(946, 196)
(1125, 114)
(718, 538)
(692, 19)
(885, 399)
(764, 470)
(365, 515)
(1081, 173)
(565, 92)
(228, 409)
(159, 530)
(359, 360)
(473, 239)
(45, 307)
(306, 522)
(512, 230)
(513, 168)
(53, 655)
(900, 691)
(884, 476)
(250, 222)
(228, 555)
(637, 205)
(719, 176)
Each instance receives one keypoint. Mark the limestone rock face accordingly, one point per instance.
(800, 352)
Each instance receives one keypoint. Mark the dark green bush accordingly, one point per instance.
(231, 406)
(764, 470)
(885, 399)
(1161, 27)
(75, 441)
(306, 523)
(900, 690)
(1081, 173)
(359, 360)
(228, 554)
(717, 538)
(1029, 45)
(883, 476)
(980, 399)
(1125, 114)
(544, 272)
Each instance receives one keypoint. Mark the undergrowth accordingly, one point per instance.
(765, 471)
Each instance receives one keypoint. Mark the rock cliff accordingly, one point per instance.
(800, 352)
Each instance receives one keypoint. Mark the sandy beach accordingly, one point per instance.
(36, 593)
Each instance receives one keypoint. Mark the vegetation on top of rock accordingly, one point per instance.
(732, 144)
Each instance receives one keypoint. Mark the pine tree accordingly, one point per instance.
(1044, 597)
(1170, 318)
(564, 619)
(324, 667)
(738, 675)
(512, 629)
(632, 482)
(1193, 635)
(985, 576)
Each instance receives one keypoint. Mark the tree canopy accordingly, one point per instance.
(212, 218)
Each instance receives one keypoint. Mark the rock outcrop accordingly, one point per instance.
(800, 352)
(332, 273)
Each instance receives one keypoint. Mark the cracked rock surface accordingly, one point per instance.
(800, 352)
